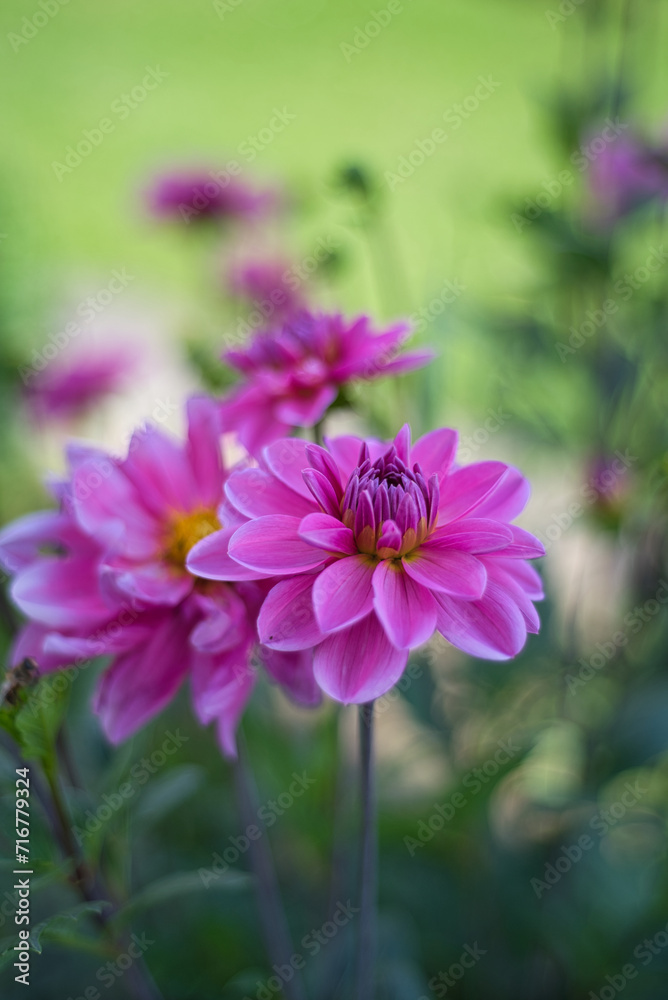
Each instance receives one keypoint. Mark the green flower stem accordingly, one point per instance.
(271, 913)
(366, 941)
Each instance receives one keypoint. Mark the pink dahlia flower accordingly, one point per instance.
(71, 389)
(106, 575)
(292, 374)
(380, 545)
(198, 196)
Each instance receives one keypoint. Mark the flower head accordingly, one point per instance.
(379, 546)
(626, 174)
(268, 284)
(292, 374)
(106, 575)
(68, 390)
(200, 196)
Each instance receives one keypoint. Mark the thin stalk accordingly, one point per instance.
(272, 915)
(366, 954)
(92, 889)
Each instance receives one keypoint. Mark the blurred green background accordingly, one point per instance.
(486, 876)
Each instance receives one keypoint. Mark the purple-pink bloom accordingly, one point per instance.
(379, 546)
(70, 389)
(200, 195)
(269, 284)
(105, 574)
(292, 374)
(627, 173)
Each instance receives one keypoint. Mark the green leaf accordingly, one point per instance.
(179, 884)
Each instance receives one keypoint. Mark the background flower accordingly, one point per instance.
(293, 373)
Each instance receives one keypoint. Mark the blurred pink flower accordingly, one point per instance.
(624, 175)
(106, 575)
(68, 390)
(379, 546)
(198, 196)
(269, 284)
(294, 373)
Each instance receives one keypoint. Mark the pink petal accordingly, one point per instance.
(140, 682)
(524, 545)
(154, 583)
(256, 493)
(158, 468)
(406, 609)
(305, 411)
(343, 592)
(287, 618)
(203, 449)
(294, 672)
(474, 534)
(272, 545)
(435, 452)
(22, 540)
(346, 452)
(211, 560)
(328, 533)
(286, 459)
(448, 570)
(508, 499)
(359, 663)
(465, 489)
(492, 628)
(221, 686)
(525, 574)
(60, 593)
(110, 508)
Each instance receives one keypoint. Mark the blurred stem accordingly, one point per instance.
(91, 888)
(318, 431)
(272, 915)
(366, 942)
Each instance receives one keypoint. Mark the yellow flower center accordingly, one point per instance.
(183, 531)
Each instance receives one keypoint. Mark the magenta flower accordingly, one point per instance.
(627, 173)
(199, 195)
(105, 575)
(269, 284)
(69, 390)
(293, 374)
(379, 546)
